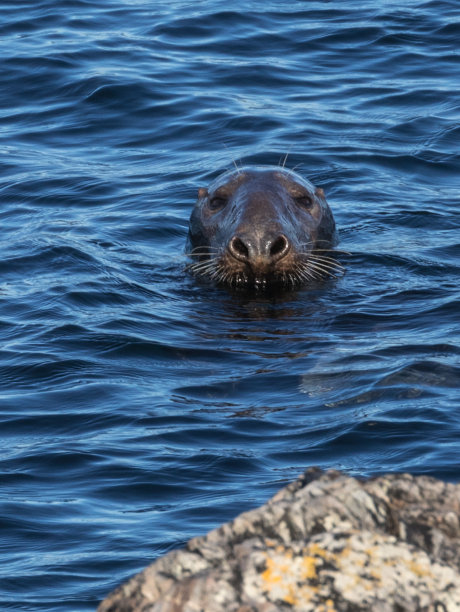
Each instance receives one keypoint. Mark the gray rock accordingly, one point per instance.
(324, 543)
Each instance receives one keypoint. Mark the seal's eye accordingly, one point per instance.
(305, 201)
(217, 203)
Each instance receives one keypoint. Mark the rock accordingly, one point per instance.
(324, 543)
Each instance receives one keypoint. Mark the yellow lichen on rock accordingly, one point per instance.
(358, 564)
(309, 568)
(286, 576)
(291, 577)
(419, 569)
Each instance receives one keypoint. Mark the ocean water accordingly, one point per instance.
(140, 407)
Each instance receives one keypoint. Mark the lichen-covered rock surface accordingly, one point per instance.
(325, 542)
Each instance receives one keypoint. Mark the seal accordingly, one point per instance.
(261, 226)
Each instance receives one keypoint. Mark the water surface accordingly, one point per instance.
(139, 407)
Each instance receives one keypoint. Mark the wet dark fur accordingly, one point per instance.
(258, 227)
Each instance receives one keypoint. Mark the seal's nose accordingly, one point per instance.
(254, 250)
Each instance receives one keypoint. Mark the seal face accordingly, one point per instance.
(260, 226)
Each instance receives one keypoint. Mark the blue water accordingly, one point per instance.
(140, 407)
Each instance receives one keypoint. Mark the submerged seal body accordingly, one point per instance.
(260, 226)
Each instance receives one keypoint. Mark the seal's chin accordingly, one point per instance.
(259, 283)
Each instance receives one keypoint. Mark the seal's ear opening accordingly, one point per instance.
(202, 193)
(319, 192)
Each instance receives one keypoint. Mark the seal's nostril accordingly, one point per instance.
(250, 250)
(238, 248)
(279, 246)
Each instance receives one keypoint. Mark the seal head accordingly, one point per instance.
(260, 226)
